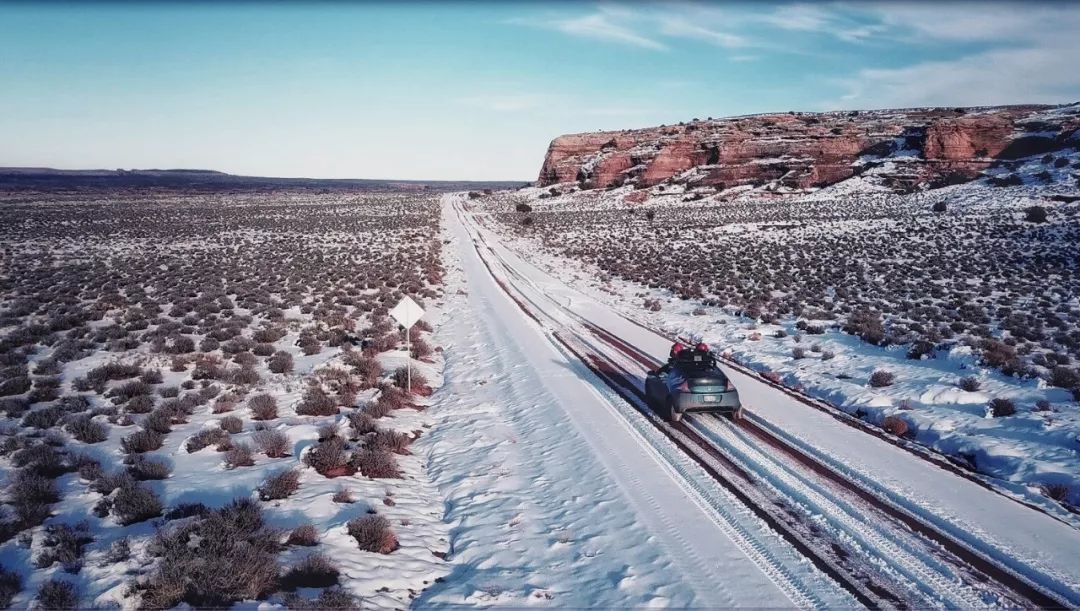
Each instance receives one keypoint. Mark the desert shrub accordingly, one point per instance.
(142, 441)
(43, 418)
(31, 494)
(895, 425)
(919, 349)
(244, 375)
(420, 349)
(131, 389)
(798, 352)
(280, 485)
(47, 367)
(305, 535)
(274, 444)
(391, 441)
(401, 379)
(1063, 377)
(15, 386)
(57, 595)
(86, 466)
(1035, 214)
(204, 438)
(309, 345)
(882, 378)
(361, 423)
(239, 455)
(1057, 492)
(970, 384)
(64, 543)
(1001, 407)
(996, 353)
(105, 483)
(143, 467)
(227, 556)
(42, 459)
(280, 362)
(135, 503)
(328, 457)
(232, 424)
(939, 206)
(263, 407)
(13, 407)
(316, 403)
(151, 376)
(373, 534)
(141, 404)
(342, 495)
(314, 571)
(330, 599)
(268, 335)
(245, 359)
(159, 420)
(87, 430)
(376, 463)
(74, 403)
(169, 392)
(867, 325)
(263, 350)
(366, 367)
(10, 586)
(113, 371)
(224, 403)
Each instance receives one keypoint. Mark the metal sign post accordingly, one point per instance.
(407, 312)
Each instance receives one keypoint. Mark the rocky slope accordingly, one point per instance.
(804, 150)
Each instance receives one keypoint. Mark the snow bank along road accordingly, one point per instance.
(553, 494)
(891, 527)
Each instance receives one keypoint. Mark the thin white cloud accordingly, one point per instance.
(604, 25)
(1044, 74)
(682, 28)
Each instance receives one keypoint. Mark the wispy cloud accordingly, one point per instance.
(1027, 53)
(682, 28)
(1042, 75)
(604, 25)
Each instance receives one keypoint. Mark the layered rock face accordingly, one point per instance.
(802, 150)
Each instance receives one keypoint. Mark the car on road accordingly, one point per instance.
(691, 382)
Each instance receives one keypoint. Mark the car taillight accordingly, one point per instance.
(685, 386)
(729, 386)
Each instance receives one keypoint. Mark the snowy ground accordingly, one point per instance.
(553, 499)
(1037, 544)
(304, 279)
(594, 241)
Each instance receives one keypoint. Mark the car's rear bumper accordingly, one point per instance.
(724, 402)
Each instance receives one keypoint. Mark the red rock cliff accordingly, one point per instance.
(801, 150)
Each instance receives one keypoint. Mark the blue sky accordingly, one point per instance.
(477, 90)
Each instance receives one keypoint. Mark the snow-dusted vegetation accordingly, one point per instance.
(201, 402)
(947, 315)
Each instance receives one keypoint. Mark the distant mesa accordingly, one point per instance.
(186, 179)
(802, 150)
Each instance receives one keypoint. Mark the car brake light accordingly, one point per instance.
(729, 386)
(685, 386)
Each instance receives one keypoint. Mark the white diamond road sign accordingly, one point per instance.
(407, 312)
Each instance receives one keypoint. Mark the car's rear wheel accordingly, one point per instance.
(673, 415)
(737, 414)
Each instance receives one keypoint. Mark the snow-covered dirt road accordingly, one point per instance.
(554, 498)
(1039, 547)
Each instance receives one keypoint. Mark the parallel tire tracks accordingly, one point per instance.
(710, 443)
